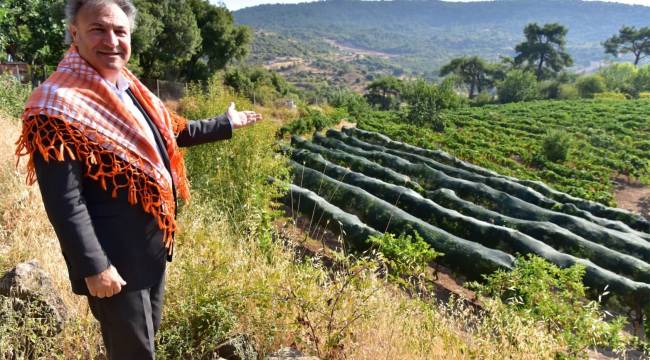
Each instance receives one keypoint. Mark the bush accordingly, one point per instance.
(555, 146)
(641, 81)
(405, 255)
(26, 332)
(258, 84)
(352, 102)
(312, 120)
(483, 98)
(549, 89)
(195, 329)
(568, 92)
(248, 158)
(541, 291)
(426, 100)
(610, 95)
(619, 77)
(518, 85)
(590, 85)
(13, 95)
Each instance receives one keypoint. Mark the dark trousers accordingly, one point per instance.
(129, 321)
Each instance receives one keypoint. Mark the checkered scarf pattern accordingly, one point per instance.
(75, 113)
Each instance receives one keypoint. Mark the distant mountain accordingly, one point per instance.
(420, 35)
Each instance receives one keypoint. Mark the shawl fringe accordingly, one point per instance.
(55, 138)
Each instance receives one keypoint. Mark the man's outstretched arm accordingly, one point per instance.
(218, 128)
(200, 132)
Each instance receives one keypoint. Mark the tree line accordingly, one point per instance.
(174, 39)
(538, 70)
(543, 55)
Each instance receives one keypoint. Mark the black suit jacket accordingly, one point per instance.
(96, 230)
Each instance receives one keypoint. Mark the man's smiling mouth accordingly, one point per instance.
(109, 53)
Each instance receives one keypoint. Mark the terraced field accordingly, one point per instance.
(368, 183)
(610, 138)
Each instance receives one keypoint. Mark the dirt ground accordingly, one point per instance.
(633, 196)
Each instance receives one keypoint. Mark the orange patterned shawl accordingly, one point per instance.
(74, 113)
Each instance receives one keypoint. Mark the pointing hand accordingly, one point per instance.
(242, 118)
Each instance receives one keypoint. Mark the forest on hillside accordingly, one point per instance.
(420, 36)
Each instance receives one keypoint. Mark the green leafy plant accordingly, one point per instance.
(406, 255)
(13, 95)
(26, 332)
(556, 145)
(312, 120)
(590, 85)
(518, 85)
(195, 329)
(541, 291)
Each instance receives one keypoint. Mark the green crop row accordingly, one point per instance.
(608, 140)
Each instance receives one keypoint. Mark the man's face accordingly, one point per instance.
(102, 35)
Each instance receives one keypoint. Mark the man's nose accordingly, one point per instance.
(111, 39)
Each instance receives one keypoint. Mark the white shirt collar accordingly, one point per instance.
(121, 86)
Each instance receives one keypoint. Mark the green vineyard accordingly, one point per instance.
(608, 139)
(366, 183)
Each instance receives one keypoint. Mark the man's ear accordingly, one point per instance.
(72, 29)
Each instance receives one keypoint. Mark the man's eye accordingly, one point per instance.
(97, 29)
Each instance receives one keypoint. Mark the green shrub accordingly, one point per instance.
(518, 85)
(619, 77)
(426, 100)
(483, 98)
(405, 255)
(195, 329)
(549, 89)
(13, 95)
(541, 291)
(232, 175)
(644, 95)
(257, 84)
(610, 95)
(555, 146)
(568, 92)
(641, 81)
(312, 120)
(589, 85)
(354, 103)
(25, 333)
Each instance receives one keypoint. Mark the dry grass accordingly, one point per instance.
(287, 301)
(26, 234)
(274, 296)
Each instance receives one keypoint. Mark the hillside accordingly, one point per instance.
(607, 141)
(420, 36)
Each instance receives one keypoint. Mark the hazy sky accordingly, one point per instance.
(238, 4)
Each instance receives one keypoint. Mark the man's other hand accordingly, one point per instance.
(242, 118)
(105, 284)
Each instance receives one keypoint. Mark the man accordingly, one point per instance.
(104, 151)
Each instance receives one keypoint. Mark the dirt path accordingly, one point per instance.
(634, 197)
(359, 51)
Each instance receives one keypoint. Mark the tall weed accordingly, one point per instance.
(13, 95)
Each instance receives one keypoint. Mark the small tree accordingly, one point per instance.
(629, 40)
(32, 31)
(590, 85)
(518, 85)
(641, 81)
(555, 146)
(385, 93)
(426, 100)
(619, 77)
(543, 49)
(473, 72)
